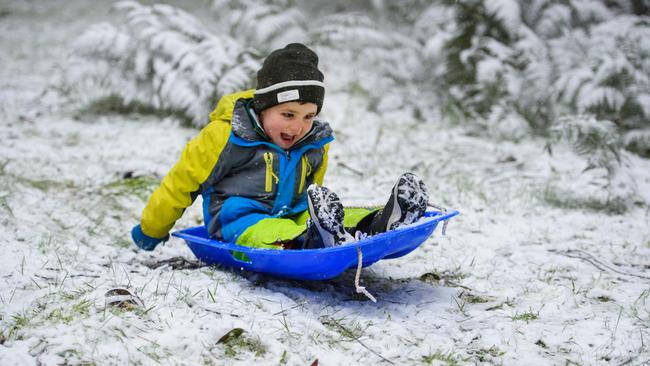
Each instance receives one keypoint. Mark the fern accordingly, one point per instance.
(606, 72)
(433, 28)
(263, 25)
(267, 25)
(596, 140)
(549, 19)
(494, 61)
(588, 12)
(635, 7)
(400, 12)
(541, 59)
(638, 141)
(368, 58)
(348, 31)
(358, 39)
(482, 41)
(162, 57)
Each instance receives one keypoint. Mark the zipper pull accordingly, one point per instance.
(268, 183)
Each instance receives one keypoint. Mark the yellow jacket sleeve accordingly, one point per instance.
(181, 185)
(319, 175)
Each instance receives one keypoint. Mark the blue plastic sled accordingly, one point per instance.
(313, 264)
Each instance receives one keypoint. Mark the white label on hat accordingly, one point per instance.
(288, 95)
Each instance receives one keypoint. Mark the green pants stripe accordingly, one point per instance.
(268, 232)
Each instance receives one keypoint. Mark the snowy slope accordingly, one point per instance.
(516, 280)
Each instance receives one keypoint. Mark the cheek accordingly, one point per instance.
(266, 128)
(269, 125)
(274, 130)
(307, 127)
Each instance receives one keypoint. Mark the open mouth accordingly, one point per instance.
(286, 138)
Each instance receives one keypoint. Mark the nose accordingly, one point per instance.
(293, 128)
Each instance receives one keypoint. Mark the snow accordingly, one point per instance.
(509, 284)
(507, 10)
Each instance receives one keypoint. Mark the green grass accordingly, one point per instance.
(348, 331)
(526, 316)
(67, 315)
(122, 243)
(75, 294)
(467, 188)
(639, 309)
(21, 321)
(211, 294)
(569, 362)
(473, 298)
(447, 358)
(551, 274)
(236, 342)
(114, 104)
(487, 354)
(604, 298)
(448, 277)
(283, 358)
(285, 326)
(139, 186)
(44, 185)
(567, 201)
(4, 205)
(59, 315)
(461, 305)
(45, 243)
(63, 307)
(82, 307)
(72, 356)
(154, 351)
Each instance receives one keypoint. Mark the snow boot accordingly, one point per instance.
(406, 205)
(325, 227)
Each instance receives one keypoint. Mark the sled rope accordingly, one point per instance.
(444, 211)
(361, 289)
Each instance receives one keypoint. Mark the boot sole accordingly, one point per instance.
(335, 231)
(407, 208)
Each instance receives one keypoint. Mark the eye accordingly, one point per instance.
(287, 115)
(309, 117)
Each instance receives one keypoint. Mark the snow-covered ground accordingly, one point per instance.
(516, 281)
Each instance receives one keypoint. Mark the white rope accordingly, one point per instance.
(361, 289)
(444, 211)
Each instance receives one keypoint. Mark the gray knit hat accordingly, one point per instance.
(289, 74)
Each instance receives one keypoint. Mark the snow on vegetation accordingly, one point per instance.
(531, 120)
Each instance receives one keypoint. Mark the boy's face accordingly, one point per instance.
(287, 123)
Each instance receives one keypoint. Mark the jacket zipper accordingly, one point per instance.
(306, 170)
(268, 184)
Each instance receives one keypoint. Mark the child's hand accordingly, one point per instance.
(144, 241)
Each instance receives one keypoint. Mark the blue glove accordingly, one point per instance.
(144, 241)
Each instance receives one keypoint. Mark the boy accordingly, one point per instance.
(259, 165)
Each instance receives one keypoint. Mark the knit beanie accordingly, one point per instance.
(289, 74)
